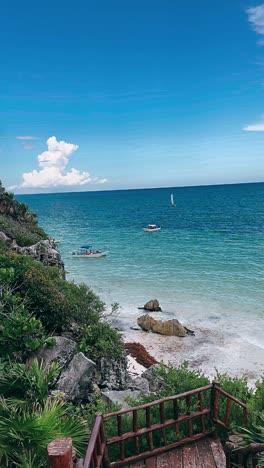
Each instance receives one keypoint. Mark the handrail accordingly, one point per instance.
(156, 402)
(204, 412)
(96, 450)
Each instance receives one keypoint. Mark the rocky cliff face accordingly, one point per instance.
(43, 251)
(20, 232)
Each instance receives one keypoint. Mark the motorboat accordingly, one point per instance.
(87, 251)
(152, 228)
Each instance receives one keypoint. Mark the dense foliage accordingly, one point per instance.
(36, 302)
(30, 418)
(101, 340)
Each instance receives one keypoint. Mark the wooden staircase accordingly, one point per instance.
(178, 432)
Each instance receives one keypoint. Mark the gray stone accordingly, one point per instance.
(61, 353)
(77, 381)
(139, 383)
(113, 397)
(5, 238)
(112, 373)
(42, 251)
(151, 374)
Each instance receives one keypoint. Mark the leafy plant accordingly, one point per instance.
(101, 340)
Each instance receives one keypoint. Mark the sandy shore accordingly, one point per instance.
(208, 350)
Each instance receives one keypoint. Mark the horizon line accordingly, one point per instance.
(142, 188)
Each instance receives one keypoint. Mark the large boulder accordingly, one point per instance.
(112, 373)
(113, 397)
(152, 306)
(77, 381)
(61, 352)
(168, 327)
(139, 384)
(152, 376)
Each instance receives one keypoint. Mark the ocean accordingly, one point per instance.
(205, 266)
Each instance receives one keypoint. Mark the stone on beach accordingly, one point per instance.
(168, 327)
(152, 306)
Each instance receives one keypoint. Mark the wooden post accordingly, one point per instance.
(214, 405)
(60, 453)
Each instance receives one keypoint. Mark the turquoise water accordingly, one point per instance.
(205, 266)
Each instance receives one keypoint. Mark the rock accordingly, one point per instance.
(61, 353)
(134, 327)
(5, 238)
(152, 306)
(77, 381)
(151, 374)
(114, 397)
(42, 251)
(139, 384)
(113, 373)
(168, 327)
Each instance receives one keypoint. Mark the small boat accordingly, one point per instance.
(172, 201)
(152, 228)
(86, 251)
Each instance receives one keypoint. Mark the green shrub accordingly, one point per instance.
(101, 340)
(29, 384)
(20, 332)
(52, 299)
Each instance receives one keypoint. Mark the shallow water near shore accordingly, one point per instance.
(205, 266)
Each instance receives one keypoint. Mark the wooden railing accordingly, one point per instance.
(96, 451)
(152, 428)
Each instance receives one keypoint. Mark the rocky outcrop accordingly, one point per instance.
(113, 397)
(168, 327)
(62, 352)
(154, 379)
(43, 251)
(140, 384)
(112, 373)
(152, 306)
(5, 238)
(78, 380)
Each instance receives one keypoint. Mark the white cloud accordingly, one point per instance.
(258, 127)
(26, 137)
(256, 18)
(53, 172)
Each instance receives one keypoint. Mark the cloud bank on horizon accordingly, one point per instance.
(53, 172)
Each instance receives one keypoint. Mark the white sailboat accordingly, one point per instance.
(172, 201)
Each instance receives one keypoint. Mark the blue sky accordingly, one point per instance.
(146, 93)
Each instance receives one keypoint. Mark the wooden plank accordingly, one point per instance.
(205, 453)
(150, 462)
(175, 459)
(157, 451)
(218, 453)
(163, 461)
(189, 456)
(228, 411)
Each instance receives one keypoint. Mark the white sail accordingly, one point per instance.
(172, 200)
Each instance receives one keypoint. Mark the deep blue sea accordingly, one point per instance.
(205, 266)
